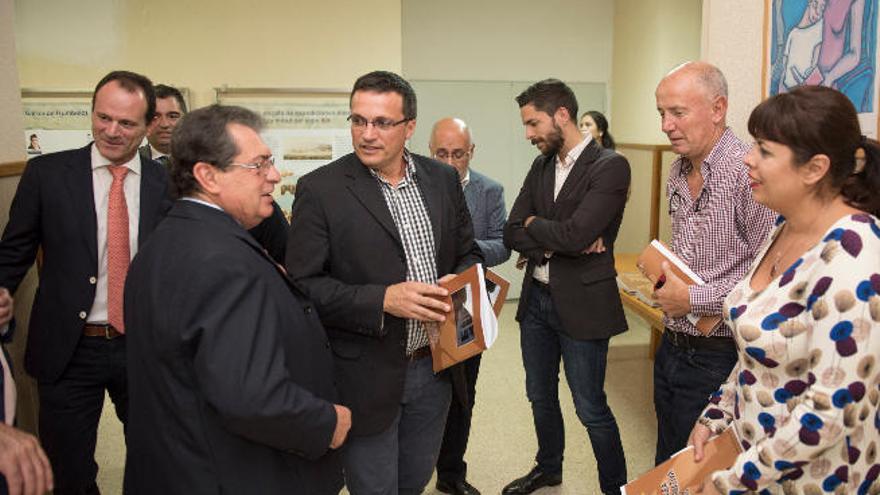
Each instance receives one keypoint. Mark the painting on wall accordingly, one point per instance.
(824, 42)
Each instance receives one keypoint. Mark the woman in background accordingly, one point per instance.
(803, 396)
(595, 124)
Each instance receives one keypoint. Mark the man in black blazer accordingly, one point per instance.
(230, 372)
(370, 236)
(75, 347)
(572, 197)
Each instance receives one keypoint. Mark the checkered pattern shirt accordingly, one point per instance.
(414, 227)
(719, 233)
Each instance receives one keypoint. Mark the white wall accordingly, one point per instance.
(732, 39)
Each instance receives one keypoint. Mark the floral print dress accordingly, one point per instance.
(804, 393)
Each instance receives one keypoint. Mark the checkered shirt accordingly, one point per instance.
(414, 227)
(719, 233)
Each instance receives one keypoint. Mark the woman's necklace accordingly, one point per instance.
(775, 266)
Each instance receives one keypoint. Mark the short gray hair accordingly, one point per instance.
(202, 136)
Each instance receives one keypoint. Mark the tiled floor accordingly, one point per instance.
(502, 444)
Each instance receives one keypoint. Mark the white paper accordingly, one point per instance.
(487, 314)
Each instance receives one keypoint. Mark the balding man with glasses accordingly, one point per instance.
(372, 234)
(717, 228)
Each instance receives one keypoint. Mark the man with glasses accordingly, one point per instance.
(231, 376)
(451, 143)
(372, 234)
(717, 228)
(170, 108)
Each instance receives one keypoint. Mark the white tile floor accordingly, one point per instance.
(502, 445)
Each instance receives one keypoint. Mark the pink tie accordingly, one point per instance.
(118, 250)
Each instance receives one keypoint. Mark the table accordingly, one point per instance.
(626, 262)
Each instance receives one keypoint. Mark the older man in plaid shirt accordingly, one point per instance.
(717, 229)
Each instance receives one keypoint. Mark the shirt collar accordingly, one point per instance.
(467, 178)
(408, 174)
(574, 153)
(156, 154)
(99, 161)
(719, 151)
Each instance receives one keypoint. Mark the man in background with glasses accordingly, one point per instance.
(717, 229)
(451, 143)
(231, 376)
(372, 234)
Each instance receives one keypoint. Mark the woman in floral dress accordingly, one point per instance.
(803, 396)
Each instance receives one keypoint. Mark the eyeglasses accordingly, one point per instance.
(676, 200)
(263, 164)
(442, 154)
(382, 124)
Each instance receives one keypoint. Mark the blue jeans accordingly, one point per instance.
(684, 378)
(543, 343)
(401, 459)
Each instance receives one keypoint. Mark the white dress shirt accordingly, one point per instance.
(101, 181)
(563, 168)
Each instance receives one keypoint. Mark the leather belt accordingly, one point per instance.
(420, 353)
(687, 341)
(107, 331)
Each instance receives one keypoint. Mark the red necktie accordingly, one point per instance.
(118, 250)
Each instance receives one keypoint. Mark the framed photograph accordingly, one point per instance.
(824, 42)
(461, 335)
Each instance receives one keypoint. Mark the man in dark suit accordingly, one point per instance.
(271, 233)
(170, 107)
(371, 235)
(451, 143)
(89, 209)
(573, 196)
(230, 371)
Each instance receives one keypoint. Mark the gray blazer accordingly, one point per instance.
(485, 201)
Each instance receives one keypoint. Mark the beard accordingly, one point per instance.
(550, 144)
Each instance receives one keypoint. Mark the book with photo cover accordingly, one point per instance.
(471, 325)
(650, 263)
(680, 475)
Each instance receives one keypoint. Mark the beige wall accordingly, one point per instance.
(650, 38)
(508, 40)
(201, 44)
(732, 39)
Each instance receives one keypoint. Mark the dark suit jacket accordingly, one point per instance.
(485, 200)
(54, 207)
(345, 250)
(590, 205)
(230, 372)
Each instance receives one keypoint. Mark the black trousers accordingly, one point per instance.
(450, 463)
(70, 409)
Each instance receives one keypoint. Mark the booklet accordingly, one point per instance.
(680, 475)
(471, 325)
(650, 263)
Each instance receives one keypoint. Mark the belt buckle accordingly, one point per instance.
(107, 332)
